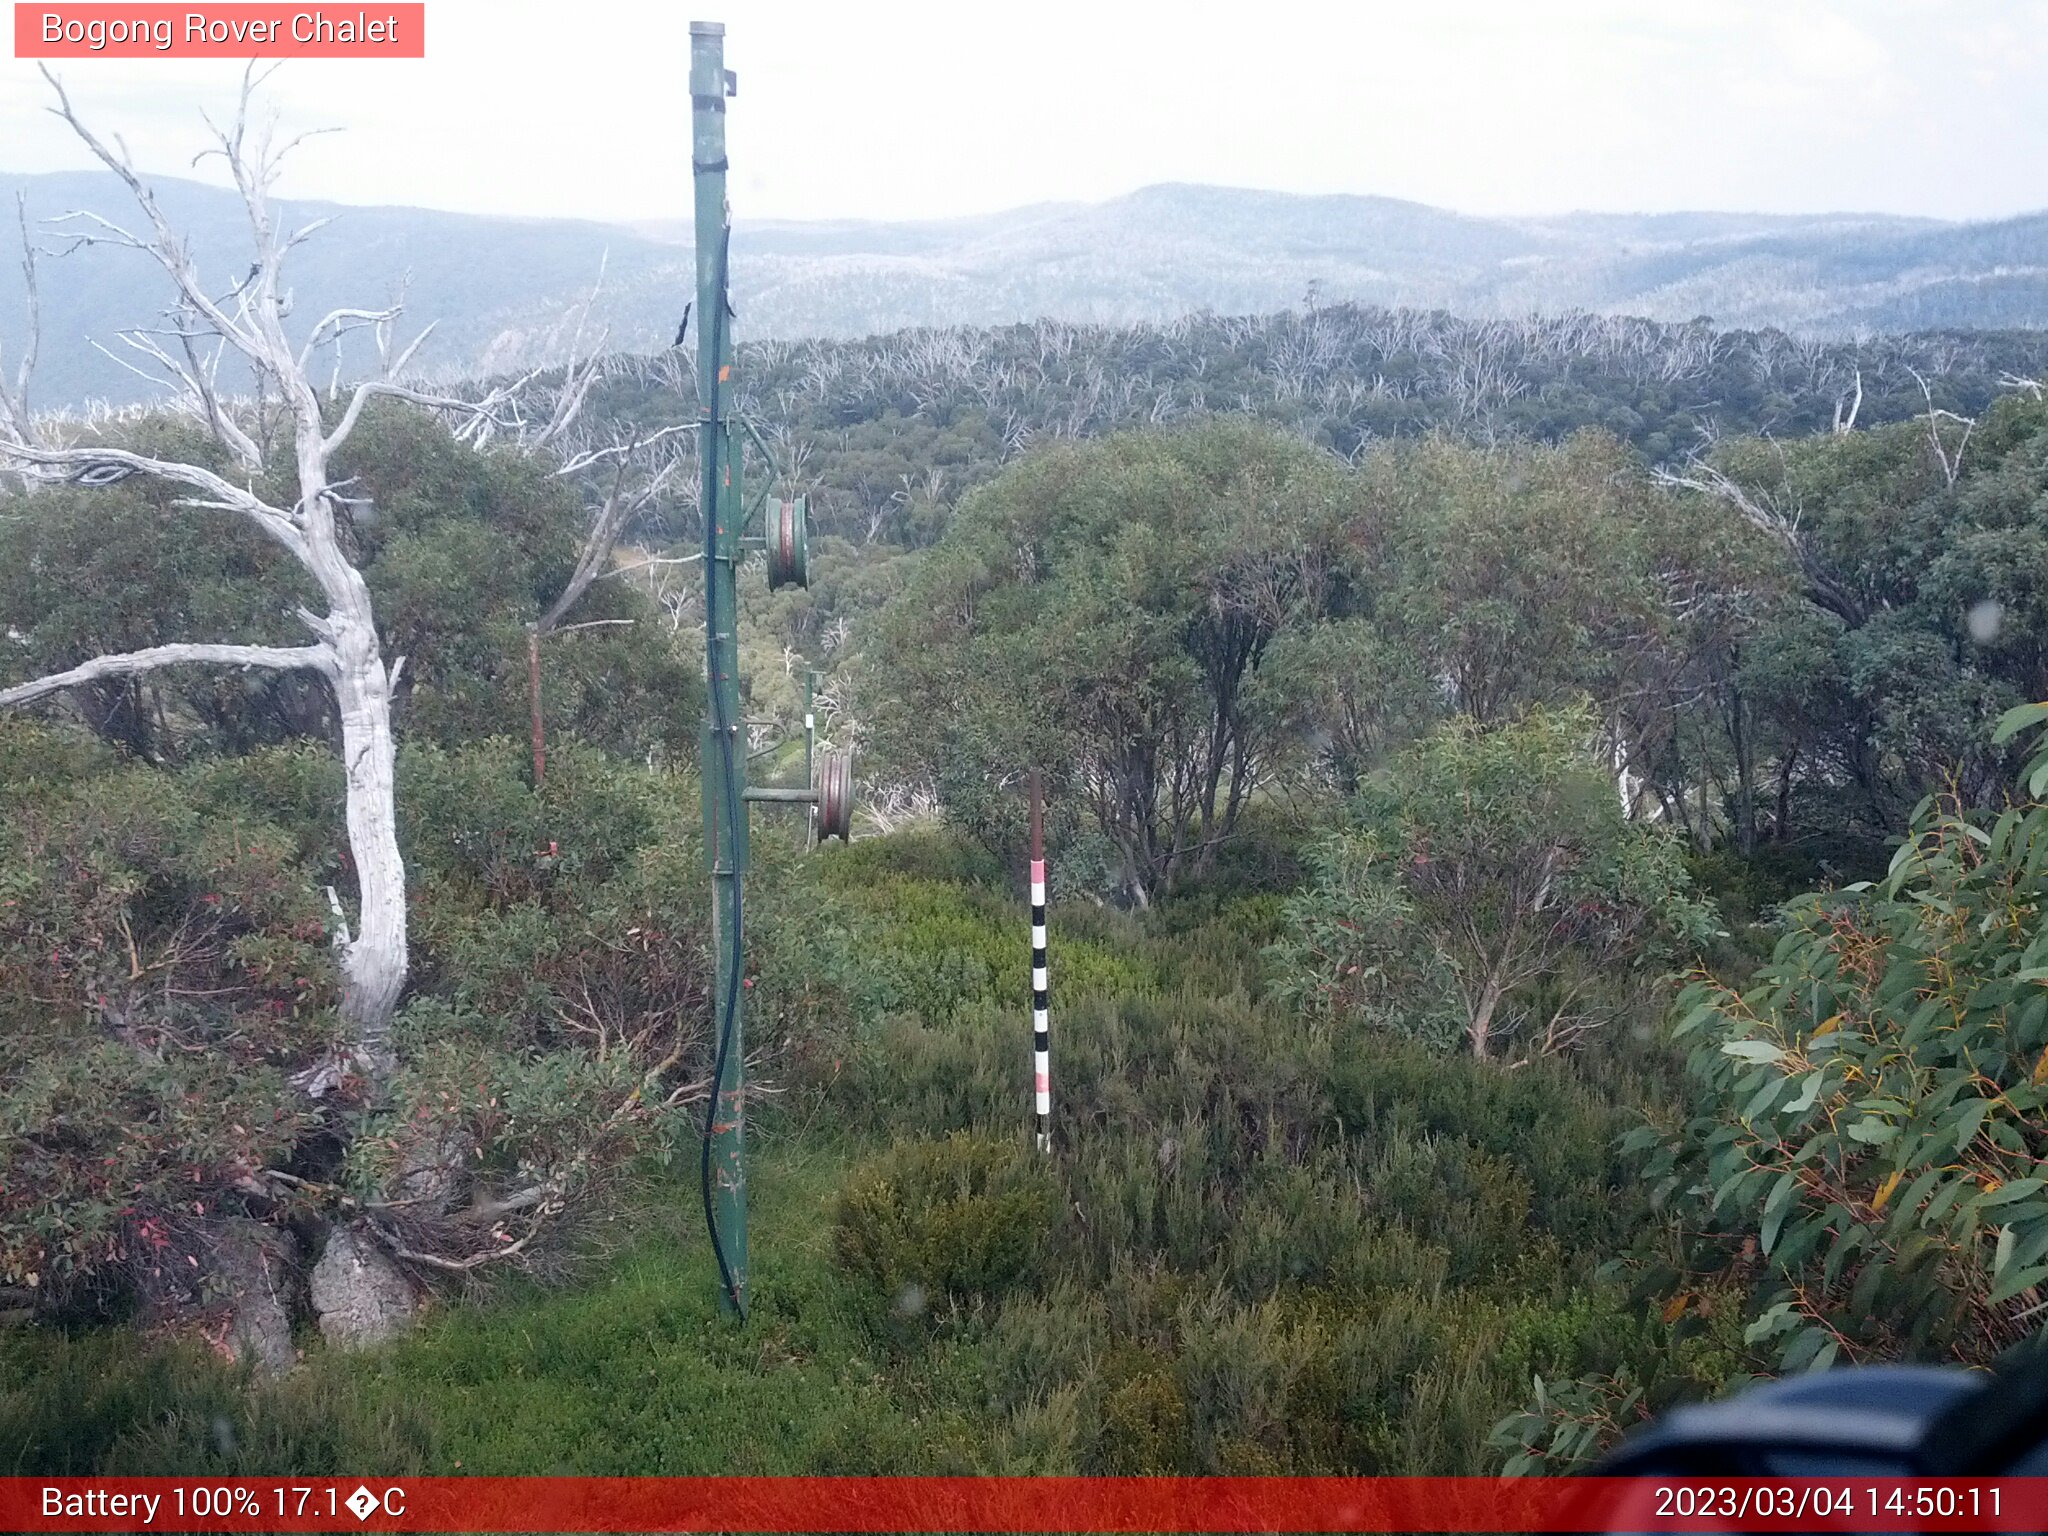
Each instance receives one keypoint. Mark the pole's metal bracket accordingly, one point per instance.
(780, 796)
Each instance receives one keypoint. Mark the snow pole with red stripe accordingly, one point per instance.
(1041, 1040)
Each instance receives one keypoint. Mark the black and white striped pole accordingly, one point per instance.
(1041, 1039)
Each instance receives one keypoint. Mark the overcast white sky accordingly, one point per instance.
(891, 109)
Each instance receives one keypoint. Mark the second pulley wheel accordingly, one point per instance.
(789, 553)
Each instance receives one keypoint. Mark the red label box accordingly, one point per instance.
(234, 31)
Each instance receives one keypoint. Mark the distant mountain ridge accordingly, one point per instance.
(506, 291)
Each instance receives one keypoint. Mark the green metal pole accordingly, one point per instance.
(723, 756)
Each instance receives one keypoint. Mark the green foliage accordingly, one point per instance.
(1857, 1179)
(1343, 683)
(634, 1374)
(898, 428)
(926, 854)
(929, 936)
(461, 551)
(165, 963)
(1491, 887)
(159, 972)
(121, 568)
(945, 1223)
(1558, 1133)
(1867, 1104)
(562, 973)
(1790, 698)
(1275, 1235)
(1265, 1253)
(1789, 679)
(1921, 606)
(468, 549)
(1510, 578)
(1251, 1252)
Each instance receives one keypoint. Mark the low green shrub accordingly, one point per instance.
(934, 948)
(941, 1225)
(160, 972)
(1543, 1120)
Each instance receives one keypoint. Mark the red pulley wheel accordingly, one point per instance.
(835, 797)
(789, 555)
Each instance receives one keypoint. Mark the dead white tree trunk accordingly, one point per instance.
(247, 324)
(1847, 407)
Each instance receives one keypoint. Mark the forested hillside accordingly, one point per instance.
(1167, 249)
(509, 292)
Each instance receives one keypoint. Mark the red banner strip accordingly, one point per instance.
(1006, 1504)
(380, 30)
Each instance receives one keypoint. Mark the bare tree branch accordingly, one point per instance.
(316, 658)
(249, 321)
(1845, 422)
(486, 413)
(103, 466)
(170, 250)
(622, 448)
(623, 502)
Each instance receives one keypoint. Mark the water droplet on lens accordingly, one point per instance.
(1985, 619)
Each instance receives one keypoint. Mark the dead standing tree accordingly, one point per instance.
(247, 325)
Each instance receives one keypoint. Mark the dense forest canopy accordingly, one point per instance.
(889, 431)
